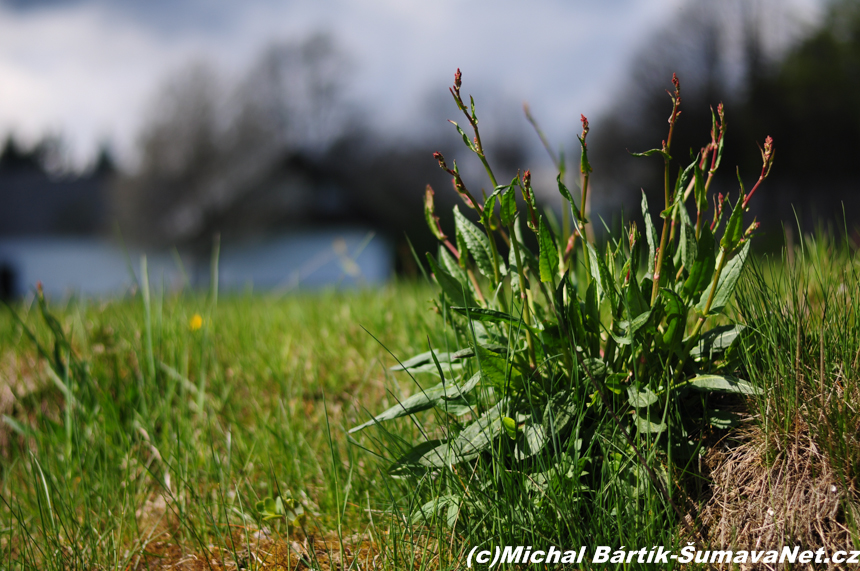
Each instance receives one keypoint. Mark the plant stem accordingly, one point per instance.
(524, 290)
(667, 145)
(701, 321)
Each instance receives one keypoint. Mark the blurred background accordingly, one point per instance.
(301, 133)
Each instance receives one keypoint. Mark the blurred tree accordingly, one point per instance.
(206, 146)
(809, 104)
(281, 150)
(776, 75)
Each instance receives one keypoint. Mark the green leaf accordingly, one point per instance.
(493, 366)
(643, 424)
(487, 211)
(723, 419)
(19, 428)
(689, 247)
(650, 235)
(702, 269)
(592, 309)
(650, 152)
(726, 286)
(601, 274)
(422, 401)
(682, 181)
(615, 382)
(676, 318)
(458, 406)
(508, 209)
(584, 166)
(475, 438)
(565, 192)
(459, 294)
(700, 192)
(430, 214)
(640, 398)
(636, 302)
(510, 426)
(531, 440)
(596, 367)
(574, 313)
(717, 341)
(463, 134)
(477, 243)
(723, 384)
(427, 513)
(421, 359)
(470, 351)
(734, 227)
(548, 254)
(408, 464)
(487, 315)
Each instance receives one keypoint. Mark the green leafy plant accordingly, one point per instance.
(285, 509)
(580, 370)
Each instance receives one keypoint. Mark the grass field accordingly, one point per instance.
(141, 432)
(154, 433)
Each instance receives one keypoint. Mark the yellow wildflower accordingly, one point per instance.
(196, 322)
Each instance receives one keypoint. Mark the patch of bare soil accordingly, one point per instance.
(261, 551)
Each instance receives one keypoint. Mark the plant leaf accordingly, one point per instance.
(689, 249)
(531, 439)
(563, 190)
(723, 384)
(701, 196)
(716, 341)
(676, 318)
(726, 286)
(645, 425)
(487, 211)
(421, 359)
(650, 152)
(422, 401)
(734, 227)
(510, 426)
(548, 254)
(408, 464)
(477, 243)
(640, 398)
(508, 206)
(702, 269)
(430, 214)
(487, 315)
(459, 294)
(475, 438)
(723, 419)
(602, 276)
(650, 235)
(493, 366)
(463, 134)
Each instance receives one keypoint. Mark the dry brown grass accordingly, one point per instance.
(773, 491)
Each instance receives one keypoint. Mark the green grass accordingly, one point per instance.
(278, 380)
(145, 439)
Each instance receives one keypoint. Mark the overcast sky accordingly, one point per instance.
(87, 68)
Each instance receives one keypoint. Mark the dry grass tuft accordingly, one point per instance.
(770, 492)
